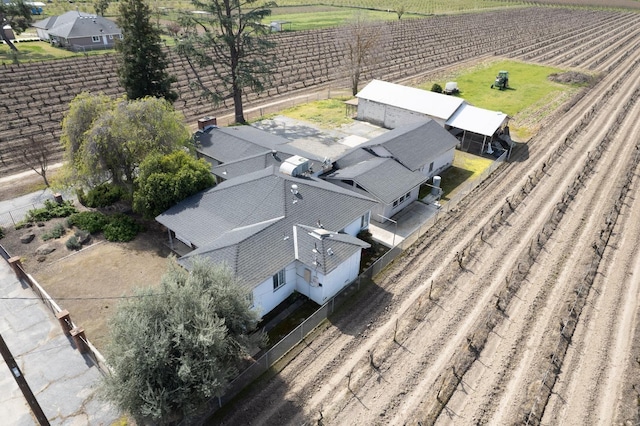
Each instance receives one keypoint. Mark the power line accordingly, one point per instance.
(83, 298)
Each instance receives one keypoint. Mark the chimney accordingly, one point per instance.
(206, 122)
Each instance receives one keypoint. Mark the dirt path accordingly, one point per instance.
(504, 283)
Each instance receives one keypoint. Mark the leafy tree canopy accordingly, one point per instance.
(175, 346)
(142, 62)
(165, 180)
(17, 14)
(231, 41)
(106, 139)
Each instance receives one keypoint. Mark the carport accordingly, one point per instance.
(479, 121)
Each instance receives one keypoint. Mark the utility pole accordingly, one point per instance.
(22, 383)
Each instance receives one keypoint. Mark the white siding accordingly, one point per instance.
(390, 116)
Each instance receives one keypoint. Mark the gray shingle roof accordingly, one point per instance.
(76, 24)
(231, 144)
(249, 164)
(384, 178)
(325, 250)
(257, 212)
(416, 144)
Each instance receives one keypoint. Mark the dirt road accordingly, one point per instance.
(533, 286)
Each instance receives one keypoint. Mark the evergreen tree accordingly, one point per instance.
(233, 43)
(142, 63)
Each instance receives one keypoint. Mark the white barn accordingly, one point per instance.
(393, 105)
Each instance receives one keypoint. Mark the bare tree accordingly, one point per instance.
(35, 155)
(400, 11)
(361, 40)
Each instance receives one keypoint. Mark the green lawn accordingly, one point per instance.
(466, 167)
(315, 17)
(39, 51)
(529, 89)
(326, 114)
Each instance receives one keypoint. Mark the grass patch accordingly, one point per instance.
(326, 17)
(36, 51)
(529, 89)
(466, 167)
(327, 113)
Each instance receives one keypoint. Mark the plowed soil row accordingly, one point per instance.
(500, 284)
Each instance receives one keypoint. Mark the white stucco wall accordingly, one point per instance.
(390, 116)
(387, 210)
(331, 283)
(440, 163)
(354, 227)
(265, 298)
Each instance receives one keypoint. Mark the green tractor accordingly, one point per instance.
(502, 80)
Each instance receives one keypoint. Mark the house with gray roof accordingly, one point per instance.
(391, 167)
(236, 151)
(79, 31)
(278, 233)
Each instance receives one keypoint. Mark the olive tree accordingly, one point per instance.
(173, 347)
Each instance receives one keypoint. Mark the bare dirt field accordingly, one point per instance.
(520, 307)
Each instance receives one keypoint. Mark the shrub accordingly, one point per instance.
(92, 222)
(121, 228)
(103, 195)
(1, 232)
(73, 244)
(51, 210)
(83, 237)
(436, 88)
(56, 232)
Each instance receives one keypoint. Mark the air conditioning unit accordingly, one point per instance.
(295, 166)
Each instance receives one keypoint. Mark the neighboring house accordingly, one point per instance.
(393, 105)
(278, 233)
(391, 167)
(78, 31)
(236, 151)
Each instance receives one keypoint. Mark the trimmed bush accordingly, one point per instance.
(73, 244)
(121, 228)
(103, 195)
(56, 232)
(436, 88)
(50, 210)
(92, 222)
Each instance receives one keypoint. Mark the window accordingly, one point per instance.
(95, 39)
(278, 280)
(364, 221)
(431, 167)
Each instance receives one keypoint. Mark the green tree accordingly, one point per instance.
(100, 6)
(165, 180)
(142, 63)
(17, 14)
(175, 346)
(105, 140)
(232, 42)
